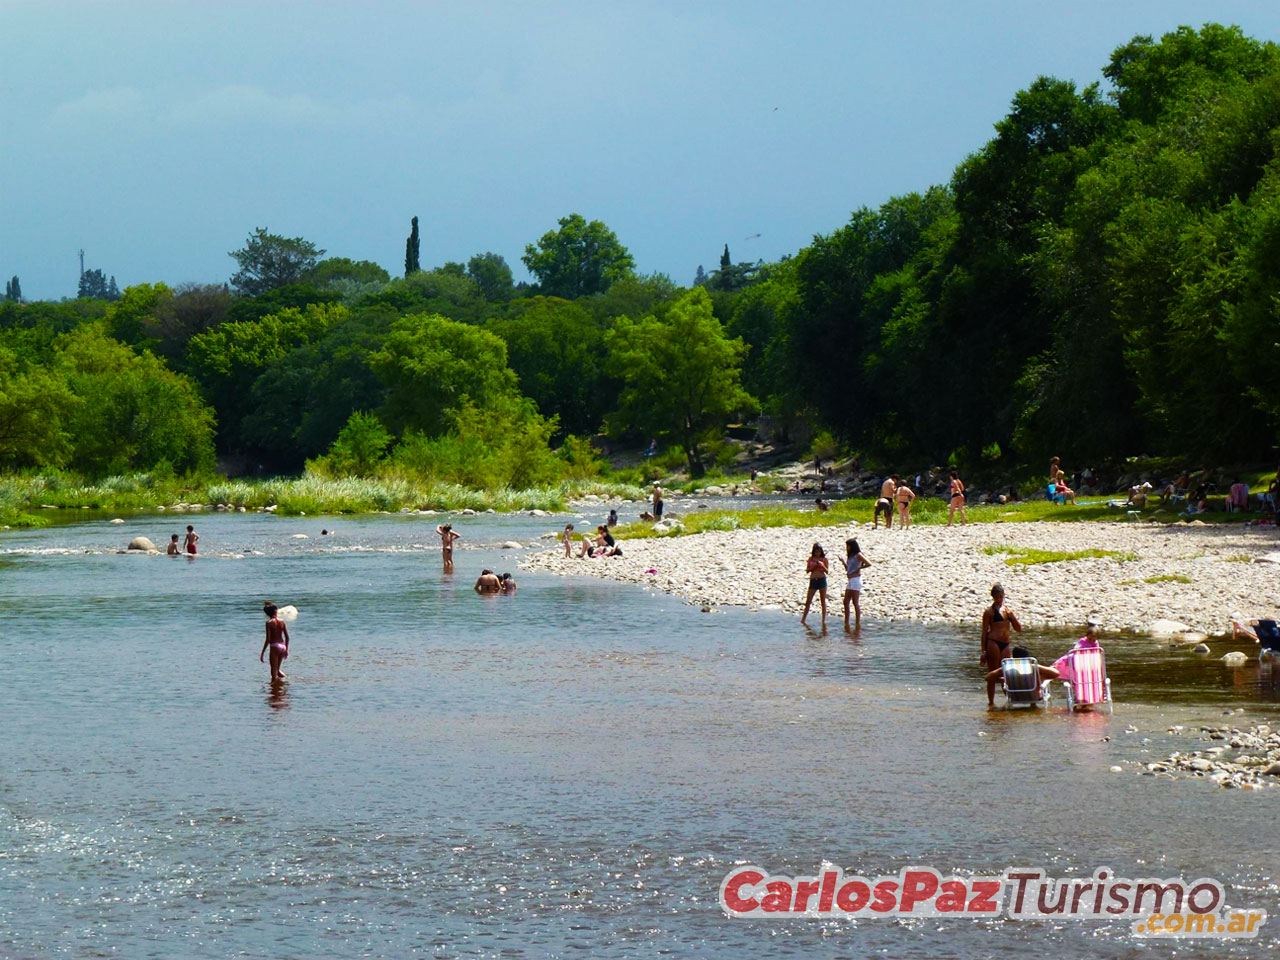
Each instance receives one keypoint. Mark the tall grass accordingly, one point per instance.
(22, 497)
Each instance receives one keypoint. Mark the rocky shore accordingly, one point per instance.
(1194, 578)
(1246, 759)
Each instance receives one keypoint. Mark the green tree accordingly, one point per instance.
(35, 405)
(680, 375)
(412, 248)
(431, 365)
(227, 360)
(360, 447)
(268, 261)
(579, 259)
(492, 276)
(133, 412)
(13, 290)
(338, 269)
(94, 285)
(556, 349)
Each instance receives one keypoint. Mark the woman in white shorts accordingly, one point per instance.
(854, 563)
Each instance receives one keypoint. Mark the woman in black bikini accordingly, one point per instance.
(817, 567)
(996, 621)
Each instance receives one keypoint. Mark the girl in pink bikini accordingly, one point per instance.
(277, 641)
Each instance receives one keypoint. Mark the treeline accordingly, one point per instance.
(1099, 280)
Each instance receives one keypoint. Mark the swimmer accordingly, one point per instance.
(488, 582)
(447, 538)
(173, 549)
(508, 583)
(277, 641)
(192, 539)
(996, 621)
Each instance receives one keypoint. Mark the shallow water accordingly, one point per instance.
(567, 772)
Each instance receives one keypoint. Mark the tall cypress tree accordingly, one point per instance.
(726, 270)
(13, 290)
(411, 264)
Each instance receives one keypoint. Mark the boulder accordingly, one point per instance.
(1167, 628)
(1200, 648)
(1234, 659)
(468, 512)
(143, 544)
(513, 545)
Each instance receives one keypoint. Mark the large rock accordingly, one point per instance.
(143, 544)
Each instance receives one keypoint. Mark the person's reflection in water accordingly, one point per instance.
(278, 695)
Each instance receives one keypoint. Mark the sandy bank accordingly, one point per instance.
(939, 574)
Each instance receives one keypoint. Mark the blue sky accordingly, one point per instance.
(155, 136)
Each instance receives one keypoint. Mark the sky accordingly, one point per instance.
(157, 136)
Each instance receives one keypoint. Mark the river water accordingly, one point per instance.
(567, 772)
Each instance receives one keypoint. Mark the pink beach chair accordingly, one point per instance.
(1084, 671)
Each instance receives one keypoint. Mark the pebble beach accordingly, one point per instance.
(1181, 580)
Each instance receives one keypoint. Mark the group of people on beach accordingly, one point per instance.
(896, 491)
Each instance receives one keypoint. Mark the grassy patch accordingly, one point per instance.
(1028, 556)
(1239, 558)
(1168, 578)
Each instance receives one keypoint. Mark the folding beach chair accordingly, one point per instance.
(1085, 675)
(1019, 681)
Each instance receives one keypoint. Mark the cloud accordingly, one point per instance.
(98, 108)
(232, 105)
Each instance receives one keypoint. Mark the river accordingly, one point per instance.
(569, 771)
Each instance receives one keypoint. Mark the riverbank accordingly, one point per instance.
(24, 499)
(1128, 575)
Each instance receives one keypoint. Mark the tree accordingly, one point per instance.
(134, 412)
(492, 275)
(411, 250)
(95, 286)
(700, 278)
(338, 269)
(579, 259)
(35, 403)
(360, 447)
(228, 359)
(726, 270)
(268, 261)
(431, 365)
(13, 290)
(555, 347)
(680, 375)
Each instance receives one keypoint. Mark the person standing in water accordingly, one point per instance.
(817, 567)
(996, 622)
(192, 539)
(854, 564)
(277, 641)
(657, 501)
(957, 499)
(447, 537)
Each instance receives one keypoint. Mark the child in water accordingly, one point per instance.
(192, 539)
(173, 549)
(277, 640)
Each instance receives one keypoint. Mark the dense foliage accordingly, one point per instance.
(1099, 280)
